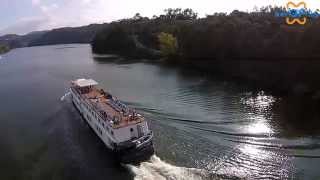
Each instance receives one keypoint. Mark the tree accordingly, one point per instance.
(237, 35)
(168, 44)
(116, 40)
(4, 49)
(137, 16)
(179, 14)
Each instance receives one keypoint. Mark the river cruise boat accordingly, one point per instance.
(121, 128)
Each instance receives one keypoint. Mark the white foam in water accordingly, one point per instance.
(64, 96)
(156, 169)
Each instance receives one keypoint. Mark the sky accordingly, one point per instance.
(24, 16)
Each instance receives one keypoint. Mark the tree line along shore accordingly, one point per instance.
(4, 49)
(257, 46)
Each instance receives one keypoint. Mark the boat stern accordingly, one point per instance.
(140, 150)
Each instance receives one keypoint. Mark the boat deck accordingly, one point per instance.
(107, 107)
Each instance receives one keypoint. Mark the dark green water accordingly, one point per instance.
(204, 128)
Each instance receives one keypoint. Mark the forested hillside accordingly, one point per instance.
(17, 41)
(238, 35)
(67, 35)
(256, 47)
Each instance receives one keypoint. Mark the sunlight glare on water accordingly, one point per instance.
(261, 102)
(259, 125)
(260, 105)
(253, 151)
(203, 128)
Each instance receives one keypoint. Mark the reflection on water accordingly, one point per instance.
(213, 125)
(223, 129)
(253, 150)
(259, 102)
(259, 109)
(259, 126)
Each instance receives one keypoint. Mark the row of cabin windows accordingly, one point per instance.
(77, 99)
(89, 118)
(105, 126)
(99, 130)
(95, 115)
(77, 102)
(77, 95)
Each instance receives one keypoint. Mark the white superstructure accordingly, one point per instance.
(117, 125)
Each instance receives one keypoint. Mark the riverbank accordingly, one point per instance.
(290, 77)
(284, 77)
(254, 47)
(4, 49)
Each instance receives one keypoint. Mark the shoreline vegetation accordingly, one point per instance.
(256, 47)
(4, 49)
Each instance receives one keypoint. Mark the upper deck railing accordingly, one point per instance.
(127, 115)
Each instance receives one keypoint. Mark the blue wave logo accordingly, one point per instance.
(295, 14)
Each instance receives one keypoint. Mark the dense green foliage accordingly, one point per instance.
(4, 49)
(115, 40)
(168, 44)
(272, 53)
(238, 35)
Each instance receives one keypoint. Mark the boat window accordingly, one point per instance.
(131, 130)
(112, 133)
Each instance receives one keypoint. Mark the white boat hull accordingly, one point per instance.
(93, 123)
(131, 142)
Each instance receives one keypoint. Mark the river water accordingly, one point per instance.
(205, 128)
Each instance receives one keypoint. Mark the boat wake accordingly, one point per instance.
(65, 95)
(156, 169)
